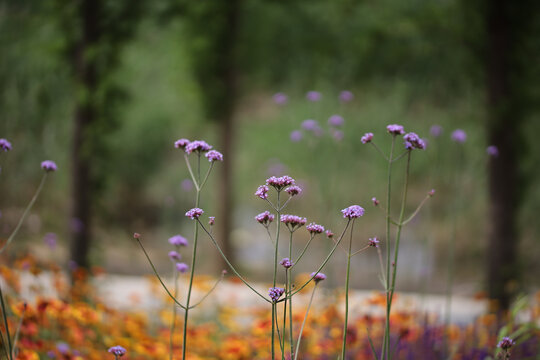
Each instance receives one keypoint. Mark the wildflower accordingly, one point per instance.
(338, 135)
(262, 192)
(318, 277)
(346, 96)
(286, 263)
(313, 96)
(62, 347)
(50, 239)
(194, 213)
(293, 190)
(275, 293)
(310, 125)
(214, 155)
(5, 145)
(174, 255)
(178, 240)
(280, 98)
(315, 228)
(353, 212)
(279, 183)
(211, 220)
(329, 234)
(265, 218)
(181, 143)
(374, 242)
(336, 120)
(431, 192)
(366, 138)
(413, 141)
(492, 151)
(395, 129)
(293, 222)
(296, 136)
(117, 351)
(506, 343)
(181, 267)
(136, 235)
(48, 165)
(459, 136)
(198, 146)
(375, 201)
(436, 130)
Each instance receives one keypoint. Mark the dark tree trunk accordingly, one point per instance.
(85, 71)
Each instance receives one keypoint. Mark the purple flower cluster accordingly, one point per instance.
(262, 192)
(117, 351)
(280, 98)
(431, 192)
(279, 183)
(286, 263)
(5, 145)
(459, 136)
(265, 218)
(353, 212)
(181, 267)
(318, 276)
(211, 220)
(366, 138)
(50, 239)
(293, 222)
(346, 96)
(48, 166)
(296, 136)
(315, 228)
(313, 96)
(178, 240)
(275, 293)
(436, 130)
(329, 234)
(214, 155)
(336, 121)
(506, 343)
(174, 255)
(413, 141)
(181, 143)
(293, 190)
(375, 201)
(374, 242)
(492, 151)
(312, 126)
(395, 129)
(199, 146)
(194, 213)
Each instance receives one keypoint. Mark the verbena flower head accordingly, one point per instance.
(293, 222)
(436, 130)
(375, 201)
(117, 351)
(265, 218)
(62, 347)
(198, 146)
(353, 212)
(5, 145)
(338, 135)
(310, 125)
(492, 151)
(50, 240)
(336, 121)
(296, 136)
(279, 183)
(214, 155)
(431, 192)
(262, 192)
(329, 234)
(315, 228)
(181, 143)
(366, 138)
(346, 96)
(181, 267)
(293, 190)
(286, 263)
(174, 255)
(459, 136)
(194, 213)
(506, 343)
(178, 240)
(313, 96)
(374, 242)
(413, 141)
(48, 165)
(317, 277)
(280, 98)
(395, 129)
(211, 220)
(275, 293)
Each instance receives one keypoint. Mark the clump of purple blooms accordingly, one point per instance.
(346, 96)
(280, 98)
(313, 96)
(211, 220)
(436, 130)
(178, 240)
(506, 343)
(374, 242)
(279, 183)
(286, 263)
(296, 136)
(117, 351)
(459, 136)
(194, 213)
(413, 141)
(336, 121)
(262, 192)
(49, 166)
(329, 234)
(492, 151)
(317, 277)
(293, 190)
(353, 212)
(275, 293)
(181, 143)
(5, 145)
(366, 138)
(214, 155)
(293, 222)
(181, 267)
(315, 228)
(265, 218)
(174, 255)
(395, 129)
(375, 201)
(198, 146)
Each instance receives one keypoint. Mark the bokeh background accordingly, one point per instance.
(105, 87)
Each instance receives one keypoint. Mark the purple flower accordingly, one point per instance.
(174, 255)
(366, 138)
(310, 125)
(286, 263)
(48, 165)
(293, 222)
(214, 155)
(374, 242)
(211, 220)
(181, 267)
(275, 293)
(280, 98)
(117, 351)
(63, 348)
(296, 136)
(293, 190)
(315, 228)
(346, 96)
(181, 143)
(431, 192)
(329, 234)
(51, 354)
(5, 145)
(413, 141)
(336, 120)
(338, 135)
(375, 201)
(353, 212)
(178, 240)
(279, 183)
(318, 277)
(506, 343)
(395, 129)
(262, 192)
(50, 239)
(436, 130)
(194, 213)
(313, 96)
(265, 218)
(198, 146)
(492, 151)
(459, 136)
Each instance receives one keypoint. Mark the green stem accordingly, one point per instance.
(303, 251)
(405, 222)
(304, 322)
(347, 278)
(209, 292)
(6, 325)
(276, 246)
(289, 289)
(25, 213)
(173, 321)
(17, 332)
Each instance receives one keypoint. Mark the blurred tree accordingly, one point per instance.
(94, 32)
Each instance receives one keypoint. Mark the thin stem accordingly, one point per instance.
(269, 235)
(381, 263)
(191, 173)
(209, 292)
(401, 155)
(304, 322)
(17, 332)
(4, 346)
(25, 213)
(289, 289)
(276, 246)
(282, 342)
(281, 346)
(347, 278)
(359, 251)
(379, 150)
(206, 176)
(303, 251)
(173, 321)
(285, 203)
(405, 222)
(6, 325)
